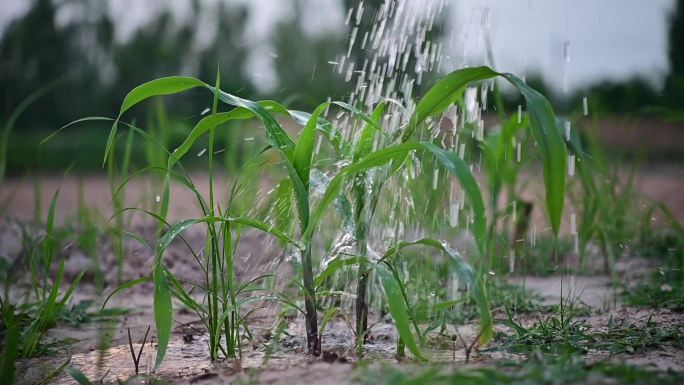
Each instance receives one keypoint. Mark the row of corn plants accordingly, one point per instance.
(369, 161)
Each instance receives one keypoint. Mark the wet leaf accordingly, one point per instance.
(398, 309)
(163, 312)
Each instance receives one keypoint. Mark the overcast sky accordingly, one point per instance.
(611, 39)
(606, 39)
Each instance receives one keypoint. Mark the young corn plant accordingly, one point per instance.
(221, 311)
(441, 96)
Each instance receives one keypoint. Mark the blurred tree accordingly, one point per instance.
(305, 76)
(99, 70)
(636, 95)
(155, 50)
(228, 50)
(631, 96)
(35, 52)
(674, 83)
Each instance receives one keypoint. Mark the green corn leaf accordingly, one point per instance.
(305, 146)
(375, 159)
(551, 145)
(466, 274)
(333, 136)
(365, 144)
(340, 145)
(444, 93)
(336, 264)
(459, 168)
(277, 137)
(279, 140)
(542, 123)
(449, 160)
(163, 311)
(162, 86)
(398, 309)
(203, 126)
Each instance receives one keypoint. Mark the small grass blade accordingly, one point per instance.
(124, 286)
(181, 226)
(78, 376)
(11, 345)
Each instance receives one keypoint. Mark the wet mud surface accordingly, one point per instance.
(273, 356)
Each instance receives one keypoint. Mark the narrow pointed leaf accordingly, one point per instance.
(398, 309)
(163, 312)
(466, 275)
(551, 145)
(162, 86)
(305, 146)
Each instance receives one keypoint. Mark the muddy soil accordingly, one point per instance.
(281, 359)
(271, 357)
(278, 357)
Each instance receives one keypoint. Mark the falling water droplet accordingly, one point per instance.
(571, 165)
(573, 223)
(453, 214)
(435, 178)
(349, 15)
(515, 211)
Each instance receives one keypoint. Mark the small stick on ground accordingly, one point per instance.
(136, 360)
(467, 348)
(105, 375)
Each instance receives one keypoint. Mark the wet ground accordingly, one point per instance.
(279, 358)
(272, 358)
